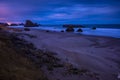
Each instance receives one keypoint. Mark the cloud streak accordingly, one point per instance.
(63, 11)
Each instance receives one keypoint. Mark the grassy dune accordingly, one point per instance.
(15, 66)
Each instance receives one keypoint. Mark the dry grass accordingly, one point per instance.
(14, 66)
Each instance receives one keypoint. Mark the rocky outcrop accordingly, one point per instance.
(93, 28)
(62, 30)
(79, 30)
(74, 25)
(70, 29)
(29, 23)
(3, 24)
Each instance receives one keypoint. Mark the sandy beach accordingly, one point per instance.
(60, 55)
(60, 40)
(100, 55)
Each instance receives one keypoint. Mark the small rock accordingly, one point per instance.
(93, 28)
(26, 29)
(62, 30)
(79, 30)
(70, 29)
(47, 31)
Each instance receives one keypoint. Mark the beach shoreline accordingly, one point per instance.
(106, 32)
(82, 56)
(101, 54)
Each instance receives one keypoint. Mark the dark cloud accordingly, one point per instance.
(61, 11)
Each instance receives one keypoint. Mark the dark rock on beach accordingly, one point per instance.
(29, 23)
(62, 30)
(26, 29)
(70, 29)
(79, 30)
(93, 28)
(73, 25)
(47, 31)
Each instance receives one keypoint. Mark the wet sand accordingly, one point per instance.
(99, 55)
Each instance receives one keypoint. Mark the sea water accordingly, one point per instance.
(110, 32)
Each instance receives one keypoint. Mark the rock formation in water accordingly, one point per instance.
(93, 28)
(70, 29)
(79, 30)
(73, 25)
(29, 23)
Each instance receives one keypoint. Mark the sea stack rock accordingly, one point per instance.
(29, 23)
(70, 29)
(93, 28)
(79, 30)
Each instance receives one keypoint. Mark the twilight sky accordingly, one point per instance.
(61, 11)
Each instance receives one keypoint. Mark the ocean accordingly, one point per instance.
(101, 30)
